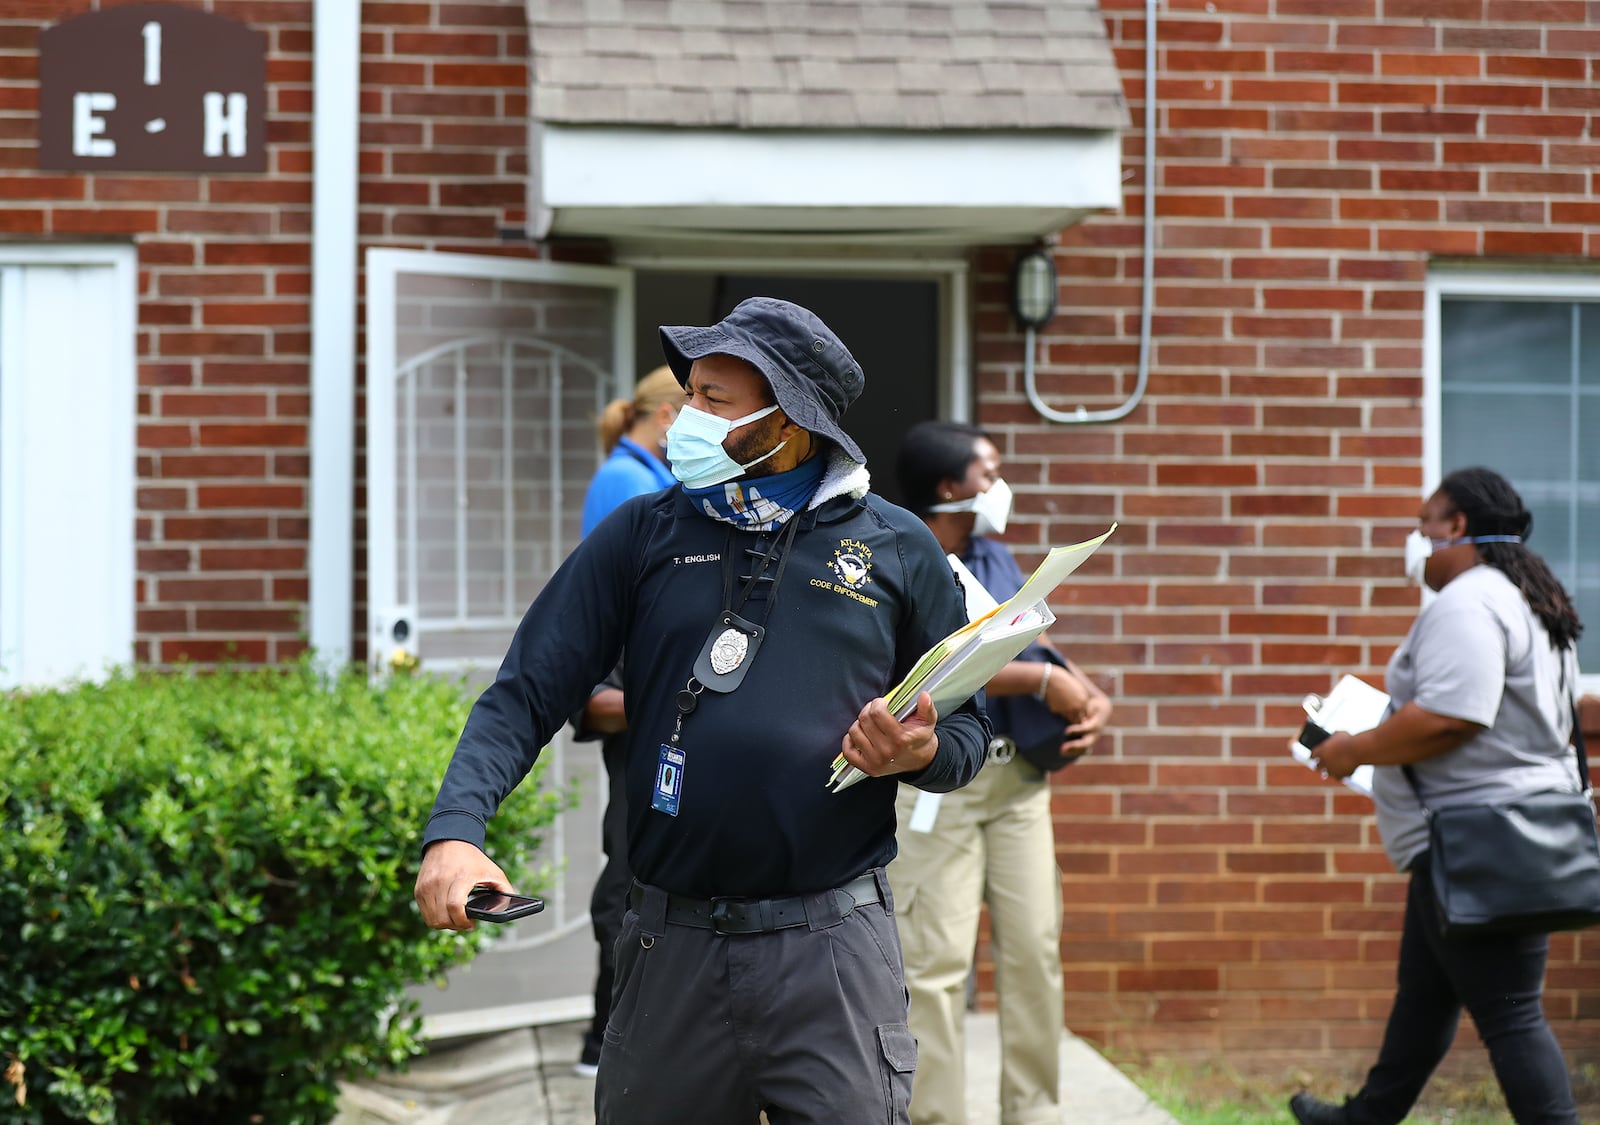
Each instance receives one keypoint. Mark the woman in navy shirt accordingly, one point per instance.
(992, 842)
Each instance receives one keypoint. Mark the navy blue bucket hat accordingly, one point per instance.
(812, 375)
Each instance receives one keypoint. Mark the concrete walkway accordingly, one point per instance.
(525, 1077)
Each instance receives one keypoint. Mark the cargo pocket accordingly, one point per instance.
(633, 957)
(899, 1050)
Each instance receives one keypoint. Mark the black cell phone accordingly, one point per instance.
(1312, 736)
(489, 905)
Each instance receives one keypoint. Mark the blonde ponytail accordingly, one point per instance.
(661, 385)
(615, 420)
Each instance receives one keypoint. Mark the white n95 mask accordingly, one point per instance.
(694, 446)
(1419, 549)
(993, 509)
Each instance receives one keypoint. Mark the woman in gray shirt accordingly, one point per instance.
(1480, 709)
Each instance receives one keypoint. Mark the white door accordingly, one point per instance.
(67, 406)
(484, 380)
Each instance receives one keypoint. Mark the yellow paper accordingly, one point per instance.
(954, 669)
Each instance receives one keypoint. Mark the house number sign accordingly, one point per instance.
(152, 88)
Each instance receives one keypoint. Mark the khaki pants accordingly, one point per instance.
(992, 843)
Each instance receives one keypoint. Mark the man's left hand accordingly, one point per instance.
(879, 744)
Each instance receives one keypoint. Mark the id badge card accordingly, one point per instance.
(669, 781)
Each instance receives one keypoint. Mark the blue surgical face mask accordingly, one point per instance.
(694, 446)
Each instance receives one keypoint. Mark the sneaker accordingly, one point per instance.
(1312, 1111)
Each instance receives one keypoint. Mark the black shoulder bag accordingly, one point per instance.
(1524, 866)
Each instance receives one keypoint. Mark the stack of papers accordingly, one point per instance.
(1354, 706)
(953, 670)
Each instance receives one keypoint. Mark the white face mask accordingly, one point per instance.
(694, 446)
(993, 509)
(1419, 549)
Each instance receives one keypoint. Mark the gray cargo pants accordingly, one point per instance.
(805, 1022)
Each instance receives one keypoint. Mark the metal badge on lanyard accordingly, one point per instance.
(733, 642)
(729, 651)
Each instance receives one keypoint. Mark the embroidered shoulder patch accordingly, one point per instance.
(852, 571)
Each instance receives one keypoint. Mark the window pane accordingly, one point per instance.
(1589, 344)
(1528, 342)
(1582, 578)
(1552, 531)
(1523, 437)
(1582, 575)
(1589, 441)
(1523, 428)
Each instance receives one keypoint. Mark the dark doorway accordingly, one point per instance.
(891, 326)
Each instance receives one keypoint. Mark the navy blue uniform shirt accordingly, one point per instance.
(865, 593)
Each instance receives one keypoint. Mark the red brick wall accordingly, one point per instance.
(225, 287)
(1312, 158)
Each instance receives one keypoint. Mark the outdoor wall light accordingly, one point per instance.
(1033, 288)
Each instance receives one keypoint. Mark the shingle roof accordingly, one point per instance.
(824, 64)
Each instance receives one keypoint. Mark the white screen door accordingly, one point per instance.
(484, 380)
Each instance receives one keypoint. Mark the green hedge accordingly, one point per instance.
(206, 890)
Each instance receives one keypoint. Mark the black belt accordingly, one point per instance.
(757, 915)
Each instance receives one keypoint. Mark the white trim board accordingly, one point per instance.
(949, 188)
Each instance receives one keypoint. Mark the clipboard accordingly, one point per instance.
(1354, 706)
(954, 670)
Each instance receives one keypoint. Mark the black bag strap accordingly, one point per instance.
(1577, 741)
(1417, 790)
(1577, 727)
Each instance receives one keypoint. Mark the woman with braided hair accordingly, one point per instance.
(1481, 710)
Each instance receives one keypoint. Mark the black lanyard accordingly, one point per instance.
(733, 642)
(764, 560)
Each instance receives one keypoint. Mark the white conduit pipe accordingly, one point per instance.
(336, 68)
(1029, 379)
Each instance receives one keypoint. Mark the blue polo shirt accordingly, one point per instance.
(631, 470)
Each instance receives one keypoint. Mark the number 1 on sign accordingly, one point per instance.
(152, 54)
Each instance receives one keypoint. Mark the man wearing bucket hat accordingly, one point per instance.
(768, 602)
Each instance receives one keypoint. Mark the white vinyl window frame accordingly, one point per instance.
(950, 274)
(68, 401)
(1443, 284)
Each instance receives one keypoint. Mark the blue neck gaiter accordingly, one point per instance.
(761, 503)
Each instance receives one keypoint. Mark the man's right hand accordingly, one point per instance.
(604, 713)
(450, 869)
